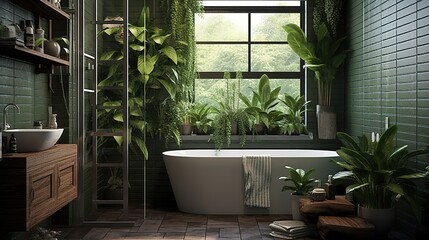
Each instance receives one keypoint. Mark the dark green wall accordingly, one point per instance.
(388, 76)
(18, 82)
(32, 92)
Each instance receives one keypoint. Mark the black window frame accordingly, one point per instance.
(257, 9)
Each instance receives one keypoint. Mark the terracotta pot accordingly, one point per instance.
(52, 48)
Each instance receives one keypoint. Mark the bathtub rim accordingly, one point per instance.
(182, 153)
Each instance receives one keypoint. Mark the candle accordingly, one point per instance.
(377, 138)
(372, 137)
(386, 123)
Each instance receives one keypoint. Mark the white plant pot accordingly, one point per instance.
(296, 215)
(382, 218)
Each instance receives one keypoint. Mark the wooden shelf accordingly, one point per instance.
(31, 55)
(43, 8)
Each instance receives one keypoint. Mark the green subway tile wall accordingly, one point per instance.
(388, 76)
(20, 84)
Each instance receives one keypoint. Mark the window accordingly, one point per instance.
(246, 36)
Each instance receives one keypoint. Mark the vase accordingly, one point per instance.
(296, 214)
(381, 218)
(52, 48)
(326, 122)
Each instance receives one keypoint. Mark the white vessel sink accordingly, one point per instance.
(34, 140)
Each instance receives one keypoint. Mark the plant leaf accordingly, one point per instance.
(170, 52)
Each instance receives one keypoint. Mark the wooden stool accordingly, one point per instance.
(311, 210)
(334, 227)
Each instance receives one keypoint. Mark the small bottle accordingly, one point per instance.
(29, 34)
(39, 38)
(330, 189)
(53, 121)
(12, 144)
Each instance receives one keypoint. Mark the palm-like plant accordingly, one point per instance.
(301, 180)
(379, 170)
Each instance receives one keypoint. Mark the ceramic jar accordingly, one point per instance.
(52, 48)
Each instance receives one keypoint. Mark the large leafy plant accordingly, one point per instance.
(301, 181)
(324, 56)
(152, 81)
(263, 101)
(379, 171)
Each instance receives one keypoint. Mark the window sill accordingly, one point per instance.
(253, 138)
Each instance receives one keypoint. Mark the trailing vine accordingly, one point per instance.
(229, 114)
(328, 12)
(181, 19)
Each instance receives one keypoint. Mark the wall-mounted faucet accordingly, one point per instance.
(5, 124)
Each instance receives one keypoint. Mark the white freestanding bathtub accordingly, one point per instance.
(212, 182)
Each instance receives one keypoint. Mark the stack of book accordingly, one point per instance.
(291, 229)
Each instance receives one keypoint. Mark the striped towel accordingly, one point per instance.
(257, 176)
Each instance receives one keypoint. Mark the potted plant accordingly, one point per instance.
(115, 186)
(153, 82)
(302, 183)
(230, 119)
(324, 57)
(184, 111)
(293, 120)
(262, 104)
(201, 118)
(275, 119)
(378, 174)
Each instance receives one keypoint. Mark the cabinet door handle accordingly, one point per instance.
(59, 182)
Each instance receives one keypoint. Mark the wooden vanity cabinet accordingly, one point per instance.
(33, 186)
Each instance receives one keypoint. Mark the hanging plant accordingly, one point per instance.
(181, 21)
